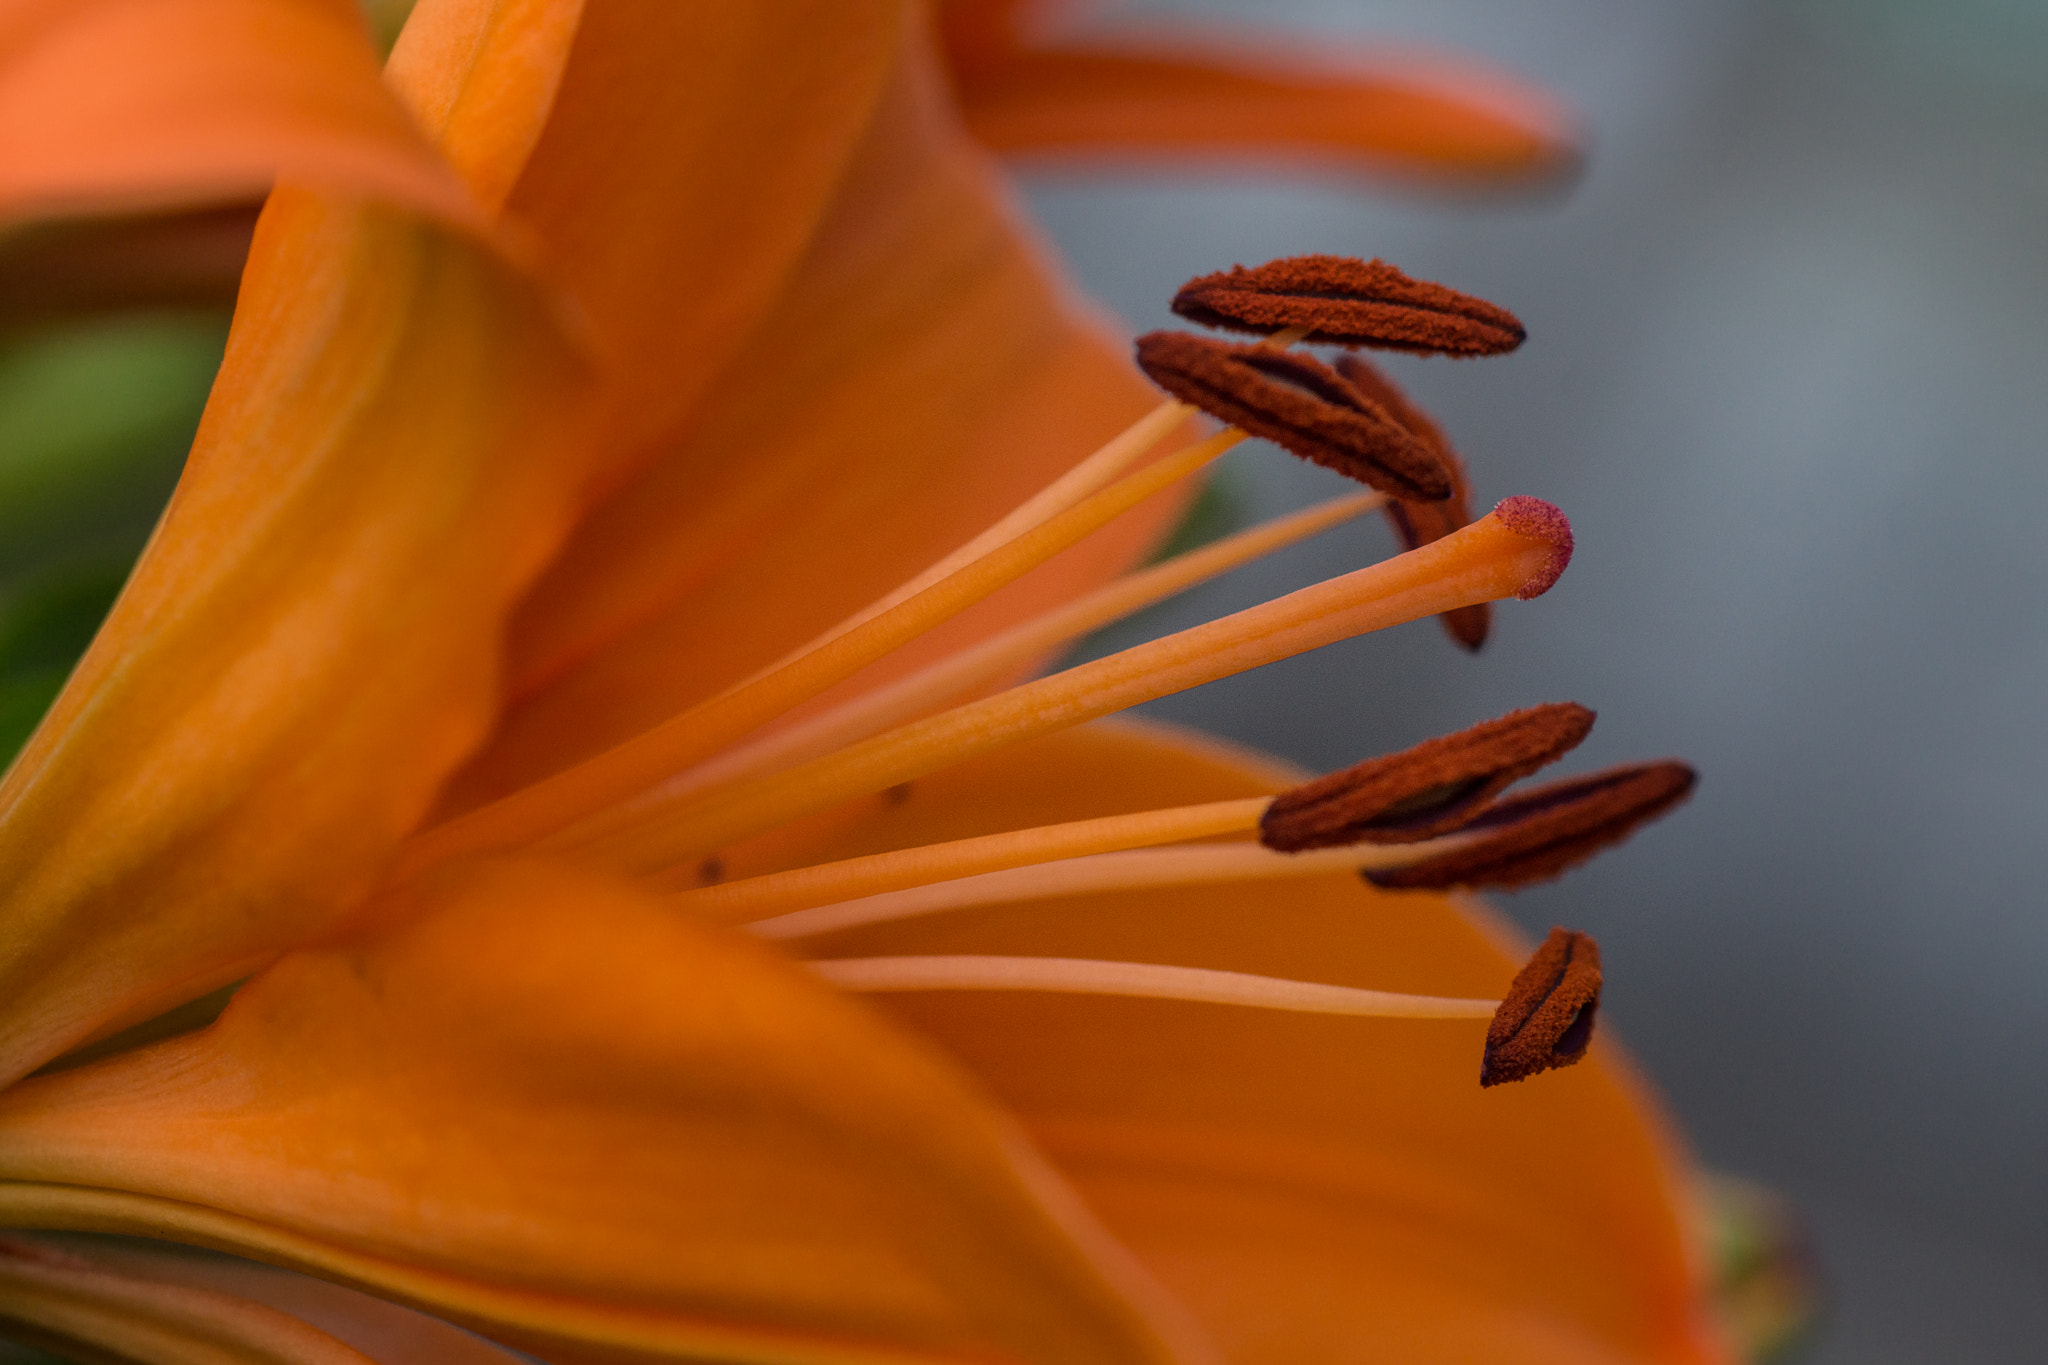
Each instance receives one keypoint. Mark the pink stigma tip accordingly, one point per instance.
(1538, 520)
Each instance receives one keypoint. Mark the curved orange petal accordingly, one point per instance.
(545, 1105)
(1154, 95)
(1314, 1188)
(481, 77)
(688, 155)
(310, 641)
(922, 372)
(120, 105)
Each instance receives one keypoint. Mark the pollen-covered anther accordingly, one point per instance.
(1546, 1020)
(1534, 836)
(1298, 403)
(1419, 523)
(1343, 301)
(1434, 788)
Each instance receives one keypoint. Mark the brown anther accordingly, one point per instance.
(1419, 523)
(1538, 834)
(1344, 301)
(1296, 402)
(1546, 1020)
(1438, 786)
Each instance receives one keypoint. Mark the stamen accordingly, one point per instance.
(1535, 836)
(824, 883)
(1418, 523)
(1428, 790)
(1348, 302)
(549, 805)
(1140, 869)
(1546, 1020)
(1298, 403)
(1142, 980)
(958, 676)
(1514, 550)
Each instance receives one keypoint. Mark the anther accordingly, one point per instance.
(1546, 1021)
(1296, 402)
(1419, 523)
(1540, 833)
(1434, 788)
(1344, 301)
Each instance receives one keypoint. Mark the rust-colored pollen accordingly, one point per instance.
(1438, 786)
(1298, 403)
(1546, 1020)
(1536, 835)
(1419, 523)
(1344, 301)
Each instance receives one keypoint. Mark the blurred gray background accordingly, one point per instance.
(1785, 372)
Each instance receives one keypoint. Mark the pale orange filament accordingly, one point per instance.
(1136, 869)
(878, 872)
(1481, 562)
(1143, 980)
(960, 675)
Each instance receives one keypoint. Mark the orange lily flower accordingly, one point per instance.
(551, 588)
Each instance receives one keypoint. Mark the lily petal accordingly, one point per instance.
(309, 644)
(686, 159)
(922, 372)
(1315, 1188)
(544, 1105)
(481, 77)
(1148, 95)
(122, 105)
(53, 1297)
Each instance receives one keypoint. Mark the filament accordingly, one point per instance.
(1141, 980)
(1137, 869)
(908, 867)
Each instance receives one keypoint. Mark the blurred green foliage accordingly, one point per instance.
(96, 415)
(386, 18)
(95, 419)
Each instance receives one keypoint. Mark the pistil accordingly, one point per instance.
(1517, 550)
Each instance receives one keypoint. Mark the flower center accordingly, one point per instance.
(662, 806)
